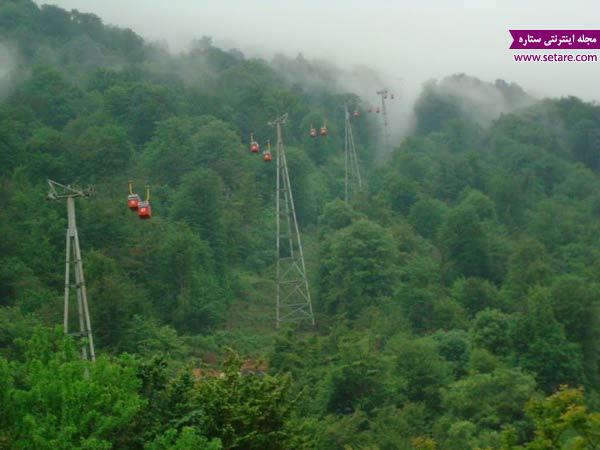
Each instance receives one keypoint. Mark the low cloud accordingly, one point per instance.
(8, 65)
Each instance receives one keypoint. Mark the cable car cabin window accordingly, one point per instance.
(144, 210)
(133, 201)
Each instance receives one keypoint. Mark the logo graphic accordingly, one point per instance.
(555, 39)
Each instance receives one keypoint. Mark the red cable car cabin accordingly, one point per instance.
(323, 131)
(133, 201)
(254, 147)
(144, 210)
(267, 157)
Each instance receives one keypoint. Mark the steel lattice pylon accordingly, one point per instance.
(352, 179)
(73, 260)
(293, 302)
(386, 131)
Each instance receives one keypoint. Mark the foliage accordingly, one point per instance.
(453, 292)
(245, 411)
(54, 399)
(563, 421)
(358, 268)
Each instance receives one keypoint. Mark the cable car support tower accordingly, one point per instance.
(383, 93)
(352, 179)
(73, 261)
(293, 302)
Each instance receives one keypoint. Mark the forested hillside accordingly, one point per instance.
(456, 296)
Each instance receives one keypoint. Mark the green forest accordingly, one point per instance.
(456, 295)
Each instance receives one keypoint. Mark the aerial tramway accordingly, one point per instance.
(385, 95)
(352, 179)
(323, 131)
(135, 203)
(292, 297)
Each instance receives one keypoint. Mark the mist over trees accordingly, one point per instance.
(457, 298)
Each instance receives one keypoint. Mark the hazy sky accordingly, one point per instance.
(409, 41)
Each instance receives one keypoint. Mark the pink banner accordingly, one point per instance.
(555, 39)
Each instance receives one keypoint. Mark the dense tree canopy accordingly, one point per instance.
(456, 295)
